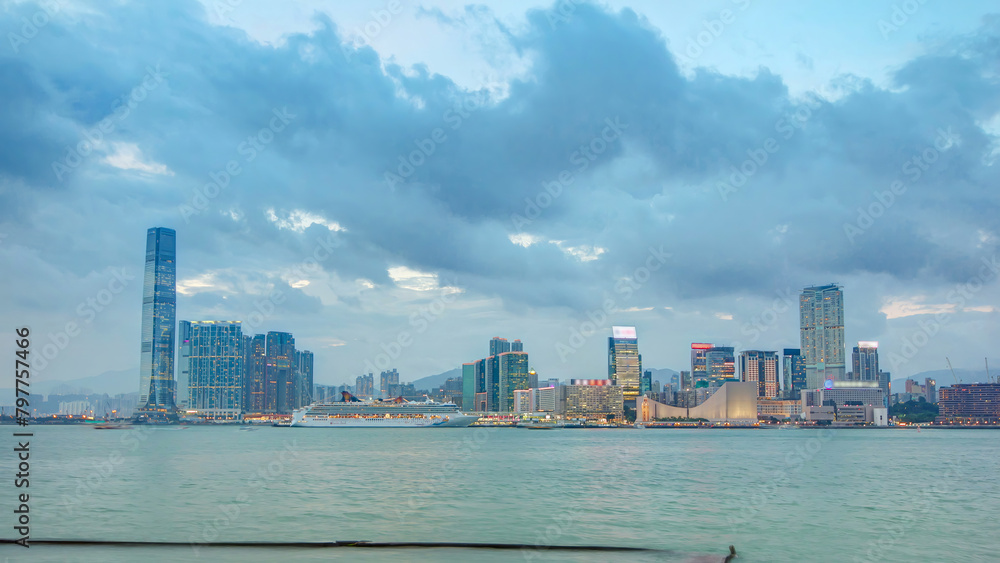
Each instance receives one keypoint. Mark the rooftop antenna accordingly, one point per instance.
(988, 380)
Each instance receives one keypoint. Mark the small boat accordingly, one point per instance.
(113, 426)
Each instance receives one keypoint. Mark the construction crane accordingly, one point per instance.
(955, 377)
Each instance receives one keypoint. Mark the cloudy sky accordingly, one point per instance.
(397, 182)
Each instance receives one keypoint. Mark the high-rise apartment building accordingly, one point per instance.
(386, 380)
(183, 374)
(279, 372)
(499, 346)
(303, 378)
(364, 386)
(159, 320)
(513, 376)
(760, 367)
(930, 390)
(821, 328)
(624, 362)
(214, 360)
(864, 360)
(793, 372)
(254, 374)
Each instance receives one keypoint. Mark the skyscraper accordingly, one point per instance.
(279, 384)
(720, 363)
(364, 386)
(699, 363)
(760, 367)
(254, 374)
(469, 387)
(793, 372)
(159, 320)
(624, 361)
(864, 360)
(821, 324)
(513, 376)
(499, 346)
(215, 362)
(386, 380)
(183, 373)
(303, 378)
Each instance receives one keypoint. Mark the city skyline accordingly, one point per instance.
(363, 272)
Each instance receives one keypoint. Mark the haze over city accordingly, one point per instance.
(511, 175)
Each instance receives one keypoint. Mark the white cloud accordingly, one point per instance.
(298, 220)
(583, 252)
(127, 156)
(524, 239)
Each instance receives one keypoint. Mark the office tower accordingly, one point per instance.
(684, 381)
(513, 376)
(646, 383)
(303, 378)
(159, 319)
(865, 362)
(216, 364)
(793, 371)
(699, 364)
(254, 374)
(499, 346)
(720, 364)
(821, 328)
(386, 380)
(279, 390)
(517, 346)
(183, 373)
(930, 390)
(469, 387)
(760, 367)
(364, 386)
(532, 377)
(593, 399)
(545, 399)
(492, 383)
(624, 361)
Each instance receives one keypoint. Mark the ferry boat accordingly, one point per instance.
(395, 413)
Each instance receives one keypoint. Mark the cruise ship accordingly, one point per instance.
(395, 413)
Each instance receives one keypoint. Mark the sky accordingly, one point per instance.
(397, 182)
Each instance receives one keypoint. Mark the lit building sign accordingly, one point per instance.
(627, 332)
(868, 344)
(700, 346)
(598, 382)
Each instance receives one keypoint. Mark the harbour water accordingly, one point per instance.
(776, 495)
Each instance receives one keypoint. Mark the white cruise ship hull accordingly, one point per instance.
(459, 420)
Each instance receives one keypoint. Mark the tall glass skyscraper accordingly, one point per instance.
(279, 372)
(159, 321)
(793, 372)
(254, 374)
(624, 361)
(760, 367)
(865, 361)
(513, 376)
(821, 325)
(215, 363)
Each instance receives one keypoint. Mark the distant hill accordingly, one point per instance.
(662, 375)
(110, 382)
(433, 381)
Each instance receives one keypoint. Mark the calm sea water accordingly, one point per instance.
(777, 495)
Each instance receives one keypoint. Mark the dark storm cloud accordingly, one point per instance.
(345, 151)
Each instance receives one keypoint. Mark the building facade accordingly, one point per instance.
(386, 380)
(513, 377)
(720, 364)
(214, 360)
(254, 373)
(970, 403)
(821, 329)
(304, 362)
(864, 361)
(624, 361)
(279, 372)
(760, 367)
(699, 365)
(793, 371)
(159, 319)
(592, 399)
